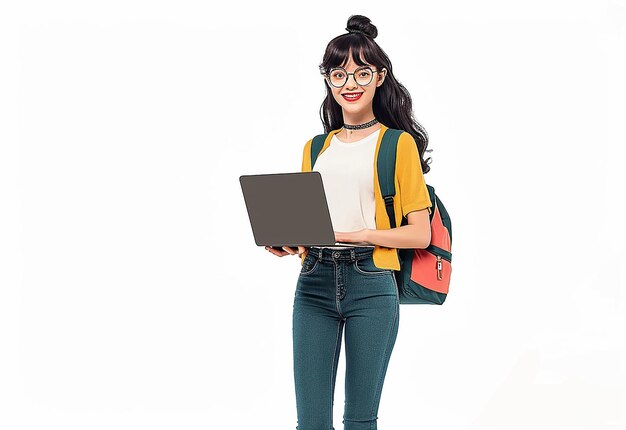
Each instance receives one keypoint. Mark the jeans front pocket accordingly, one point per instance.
(366, 266)
(308, 265)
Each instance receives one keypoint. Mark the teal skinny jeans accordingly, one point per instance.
(337, 289)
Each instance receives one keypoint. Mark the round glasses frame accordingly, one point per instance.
(357, 70)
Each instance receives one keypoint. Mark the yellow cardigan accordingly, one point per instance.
(411, 191)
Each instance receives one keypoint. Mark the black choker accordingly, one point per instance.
(360, 126)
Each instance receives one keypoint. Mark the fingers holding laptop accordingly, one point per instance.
(286, 250)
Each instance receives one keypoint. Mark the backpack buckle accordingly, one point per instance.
(388, 200)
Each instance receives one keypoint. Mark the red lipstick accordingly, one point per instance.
(351, 99)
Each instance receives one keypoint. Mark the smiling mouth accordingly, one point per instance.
(351, 97)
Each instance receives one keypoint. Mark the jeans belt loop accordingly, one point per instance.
(352, 255)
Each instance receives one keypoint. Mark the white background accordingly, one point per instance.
(133, 295)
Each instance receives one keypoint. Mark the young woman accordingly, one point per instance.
(354, 287)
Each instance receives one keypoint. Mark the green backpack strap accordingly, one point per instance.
(316, 147)
(386, 171)
(386, 166)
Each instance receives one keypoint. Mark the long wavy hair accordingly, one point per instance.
(392, 104)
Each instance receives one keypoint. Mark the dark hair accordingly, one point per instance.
(392, 104)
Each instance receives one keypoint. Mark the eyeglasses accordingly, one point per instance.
(338, 76)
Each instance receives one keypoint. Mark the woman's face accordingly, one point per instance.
(365, 100)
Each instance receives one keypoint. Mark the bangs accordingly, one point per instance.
(338, 52)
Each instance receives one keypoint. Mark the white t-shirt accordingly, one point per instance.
(347, 171)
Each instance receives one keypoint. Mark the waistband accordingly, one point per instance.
(351, 254)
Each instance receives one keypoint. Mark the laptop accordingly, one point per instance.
(289, 209)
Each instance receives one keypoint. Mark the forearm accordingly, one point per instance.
(406, 236)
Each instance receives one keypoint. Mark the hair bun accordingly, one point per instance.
(362, 24)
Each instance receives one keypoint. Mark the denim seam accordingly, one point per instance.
(312, 269)
(337, 296)
(332, 371)
(395, 285)
(338, 305)
(356, 266)
(385, 359)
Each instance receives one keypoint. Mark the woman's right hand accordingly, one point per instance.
(286, 251)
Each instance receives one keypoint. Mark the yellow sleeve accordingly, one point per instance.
(413, 192)
(306, 156)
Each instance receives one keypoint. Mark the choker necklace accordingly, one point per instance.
(360, 126)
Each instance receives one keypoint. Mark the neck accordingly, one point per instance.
(354, 118)
(348, 136)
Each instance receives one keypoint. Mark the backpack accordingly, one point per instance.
(424, 275)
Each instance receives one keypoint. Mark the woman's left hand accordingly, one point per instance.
(352, 236)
